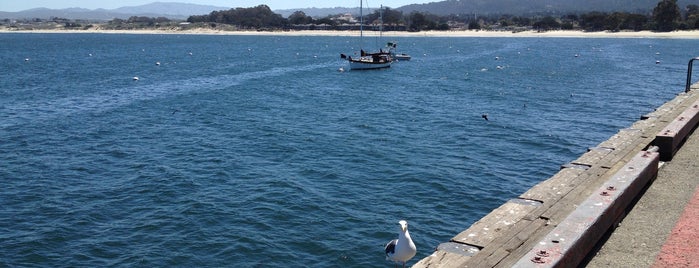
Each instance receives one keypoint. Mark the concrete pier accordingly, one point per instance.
(571, 219)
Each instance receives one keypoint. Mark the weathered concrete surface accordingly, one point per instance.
(640, 236)
(517, 235)
(682, 247)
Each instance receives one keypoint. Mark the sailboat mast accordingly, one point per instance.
(361, 24)
(381, 16)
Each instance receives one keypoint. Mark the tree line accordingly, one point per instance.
(666, 16)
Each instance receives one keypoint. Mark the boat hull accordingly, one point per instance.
(364, 65)
(402, 57)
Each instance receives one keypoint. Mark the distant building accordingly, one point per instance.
(346, 17)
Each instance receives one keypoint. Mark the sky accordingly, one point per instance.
(18, 5)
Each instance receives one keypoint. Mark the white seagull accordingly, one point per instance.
(402, 249)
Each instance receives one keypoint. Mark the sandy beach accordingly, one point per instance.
(464, 33)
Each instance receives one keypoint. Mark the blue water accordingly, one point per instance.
(251, 151)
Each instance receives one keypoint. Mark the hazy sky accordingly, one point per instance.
(17, 5)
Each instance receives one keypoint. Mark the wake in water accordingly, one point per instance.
(141, 89)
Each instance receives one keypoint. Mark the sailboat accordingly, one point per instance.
(366, 60)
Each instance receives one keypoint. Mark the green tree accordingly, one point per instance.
(666, 15)
(299, 17)
(473, 25)
(593, 21)
(547, 23)
(390, 16)
(692, 10)
(418, 21)
(636, 22)
(326, 20)
(256, 17)
(522, 21)
(692, 19)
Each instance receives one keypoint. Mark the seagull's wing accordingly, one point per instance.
(391, 247)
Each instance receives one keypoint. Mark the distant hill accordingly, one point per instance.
(157, 9)
(513, 7)
(519, 7)
(170, 9)
(182, 11)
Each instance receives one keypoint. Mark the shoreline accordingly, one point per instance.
(462, 33)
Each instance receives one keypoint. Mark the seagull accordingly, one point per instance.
(402, 249)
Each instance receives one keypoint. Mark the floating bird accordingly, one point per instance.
(402, 249)
(341, 69)
(485, 116)
(157, 63)
(135, 78)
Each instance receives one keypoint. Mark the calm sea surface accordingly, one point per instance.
(250, 151)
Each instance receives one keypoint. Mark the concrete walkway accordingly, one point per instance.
(659, 220)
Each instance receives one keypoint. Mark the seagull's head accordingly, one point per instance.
(403, 225)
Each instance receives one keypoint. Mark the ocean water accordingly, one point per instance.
(255, 151)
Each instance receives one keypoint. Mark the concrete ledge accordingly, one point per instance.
(570, 242)
(671, 137)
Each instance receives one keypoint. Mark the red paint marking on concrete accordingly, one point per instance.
(682, 247)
